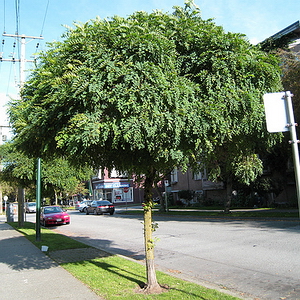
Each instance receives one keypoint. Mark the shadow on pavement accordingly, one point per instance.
(19, 254)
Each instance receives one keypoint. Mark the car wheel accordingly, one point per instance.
(111, 213)
(84, 210)
(87, 212)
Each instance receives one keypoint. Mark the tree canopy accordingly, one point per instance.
(154, 88)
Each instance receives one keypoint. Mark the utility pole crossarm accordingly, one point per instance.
(23, 36)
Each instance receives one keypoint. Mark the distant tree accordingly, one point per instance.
(148, 93)
(59, 177)
(290, 64)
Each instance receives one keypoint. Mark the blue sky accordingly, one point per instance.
(257, 19)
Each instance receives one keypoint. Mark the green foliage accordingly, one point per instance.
(151, 91)
(290, 64)
(57, 174)
(248, 168)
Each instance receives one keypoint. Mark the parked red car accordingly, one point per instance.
(54, 215)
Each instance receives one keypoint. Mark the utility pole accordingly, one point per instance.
(22, 60)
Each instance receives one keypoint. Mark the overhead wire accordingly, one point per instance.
(17, 8)
(4, 31)
(16, 53)
(46, 11)
(8, 80)
(15, 45)
(3, 41)
(4, 17)
(18, 22)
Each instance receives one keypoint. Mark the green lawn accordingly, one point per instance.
(257, 213)
(114, 277)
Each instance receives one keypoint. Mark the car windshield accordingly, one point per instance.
(51, 210)
(103, 202)
(31, 204)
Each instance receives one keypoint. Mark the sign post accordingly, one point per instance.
(280, 117)
(38, 201)
(294, 142)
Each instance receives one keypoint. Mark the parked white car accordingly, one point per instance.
(30, 207)
(82, 205)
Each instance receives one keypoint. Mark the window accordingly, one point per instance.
(200, 175)
(174, 176)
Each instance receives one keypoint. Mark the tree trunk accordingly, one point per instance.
(228, 194)
(56, 199)
(152, 285)
(162, 207)
(1, 201)
(21, 197)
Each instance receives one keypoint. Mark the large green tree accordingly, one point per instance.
(147, 93)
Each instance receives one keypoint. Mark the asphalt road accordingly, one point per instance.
(255, 259)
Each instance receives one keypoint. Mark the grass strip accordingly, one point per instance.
(49, 238)
(260, 213)
(113, 277)
(117, 278)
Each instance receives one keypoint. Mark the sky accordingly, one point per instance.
(257, 19)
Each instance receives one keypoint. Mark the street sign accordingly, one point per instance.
(280, 117)
(276, 112)
(126, 189)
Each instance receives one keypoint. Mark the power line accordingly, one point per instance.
(8, 81)
(17, 7)
(4, 13)
(19, 46)
(44, 18)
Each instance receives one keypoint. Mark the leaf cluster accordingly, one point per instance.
(57, 174)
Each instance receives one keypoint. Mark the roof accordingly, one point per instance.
(293, 28)
(287, 37)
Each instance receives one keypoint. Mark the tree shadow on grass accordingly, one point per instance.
(139, 280)
(118, 272)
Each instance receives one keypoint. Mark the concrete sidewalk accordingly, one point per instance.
(27, 273)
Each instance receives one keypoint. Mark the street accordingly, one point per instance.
(257, 259)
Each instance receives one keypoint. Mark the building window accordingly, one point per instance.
(200, 175)
(174, 176)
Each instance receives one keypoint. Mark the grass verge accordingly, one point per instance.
(258, 213)
(113, 277)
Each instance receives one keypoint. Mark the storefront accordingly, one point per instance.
(115, 192)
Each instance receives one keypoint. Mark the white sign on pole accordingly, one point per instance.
(276, 112)
(279, 114)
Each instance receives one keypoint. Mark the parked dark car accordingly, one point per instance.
(54, 215)
(99, 207)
